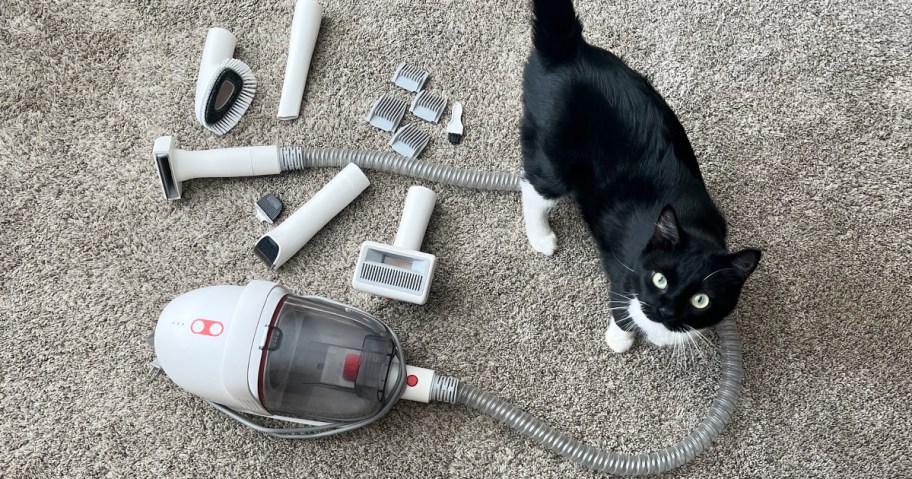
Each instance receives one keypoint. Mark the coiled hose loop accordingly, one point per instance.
(720, 413)
(298, 158)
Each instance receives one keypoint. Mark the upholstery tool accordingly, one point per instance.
(305, 27)
(428, 106)
(386, 113)
(176, 166)
(410, 78)
(268, 208)
(225, 86)
(279, 245)
(328, 368)
(400, 271)
(409, 141)
(454, 127)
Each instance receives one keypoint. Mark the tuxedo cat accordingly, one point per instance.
(597, 131)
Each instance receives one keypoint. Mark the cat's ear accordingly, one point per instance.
(667, 234)
(745, 261)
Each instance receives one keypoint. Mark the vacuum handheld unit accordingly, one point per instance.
(327, 368)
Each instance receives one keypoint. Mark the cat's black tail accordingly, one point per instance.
(556, 31)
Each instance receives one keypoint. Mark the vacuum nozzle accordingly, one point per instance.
(400, 271)
(176, 166)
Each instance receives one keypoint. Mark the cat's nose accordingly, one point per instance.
(666, 312)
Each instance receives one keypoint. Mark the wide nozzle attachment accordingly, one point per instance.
(175, 166)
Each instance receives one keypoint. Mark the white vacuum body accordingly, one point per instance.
(259, 350)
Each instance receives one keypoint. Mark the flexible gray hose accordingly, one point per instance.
(298, 158)
(448, 389)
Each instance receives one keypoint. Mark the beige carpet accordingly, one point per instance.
(801, 114)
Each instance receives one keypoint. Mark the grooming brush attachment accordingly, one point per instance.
(225, 86)
(268, 208)
(409, 141)
(410, 78)
(454, 127)
(428, 106)
(386, 113)
(400, 271)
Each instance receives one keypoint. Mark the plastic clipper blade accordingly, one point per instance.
(386, 113)
(409, 141)
(428, 106)
(409, 77)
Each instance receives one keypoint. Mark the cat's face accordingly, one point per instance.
(681, 287)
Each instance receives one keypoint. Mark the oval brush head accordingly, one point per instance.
(227, 96)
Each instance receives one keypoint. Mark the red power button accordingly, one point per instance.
(411, 380)
(206, 327)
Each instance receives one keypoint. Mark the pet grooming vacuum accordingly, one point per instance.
(305, 27)
(225, 86)
(280, 244)
(400, 271)
(326, 368)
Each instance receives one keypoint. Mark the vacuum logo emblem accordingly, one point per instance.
(206, 327)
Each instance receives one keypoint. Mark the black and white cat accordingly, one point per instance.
(597, 131)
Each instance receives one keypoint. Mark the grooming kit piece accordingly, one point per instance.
(400, 271)
(225, 86)
(305, 27)
(409, 141)
(386, 113)
(279, 245)
(454, 127)
(268, 208)
(410, 78)
(428, 106)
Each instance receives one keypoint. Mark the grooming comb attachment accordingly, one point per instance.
(409, 141)
(410, 78)
(225, 86)
(400, 271)
(428, 106)
(386, 113)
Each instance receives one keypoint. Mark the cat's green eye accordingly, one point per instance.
(659, 281)
(699, 301)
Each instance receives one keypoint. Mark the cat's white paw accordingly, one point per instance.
(618, 340)
(544, 244)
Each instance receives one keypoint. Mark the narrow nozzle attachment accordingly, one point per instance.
(305, 26)
(280, 244)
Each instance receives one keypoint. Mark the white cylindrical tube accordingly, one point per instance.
(305, 26)
(220, 44)
(280, 244)
(225, 162)
(419, 205)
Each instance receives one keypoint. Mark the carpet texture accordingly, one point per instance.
(800, 115)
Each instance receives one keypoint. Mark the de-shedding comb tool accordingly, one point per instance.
(400, 271)
(410, 78)
(428, 106)
(225, 86)
(409, 141)
(386, 113)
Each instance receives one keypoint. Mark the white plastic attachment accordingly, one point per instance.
(280, 244)
(418, 382)
(401, 271)
(305, 27)
(220, 44)
(175, 166)
(416, 214)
